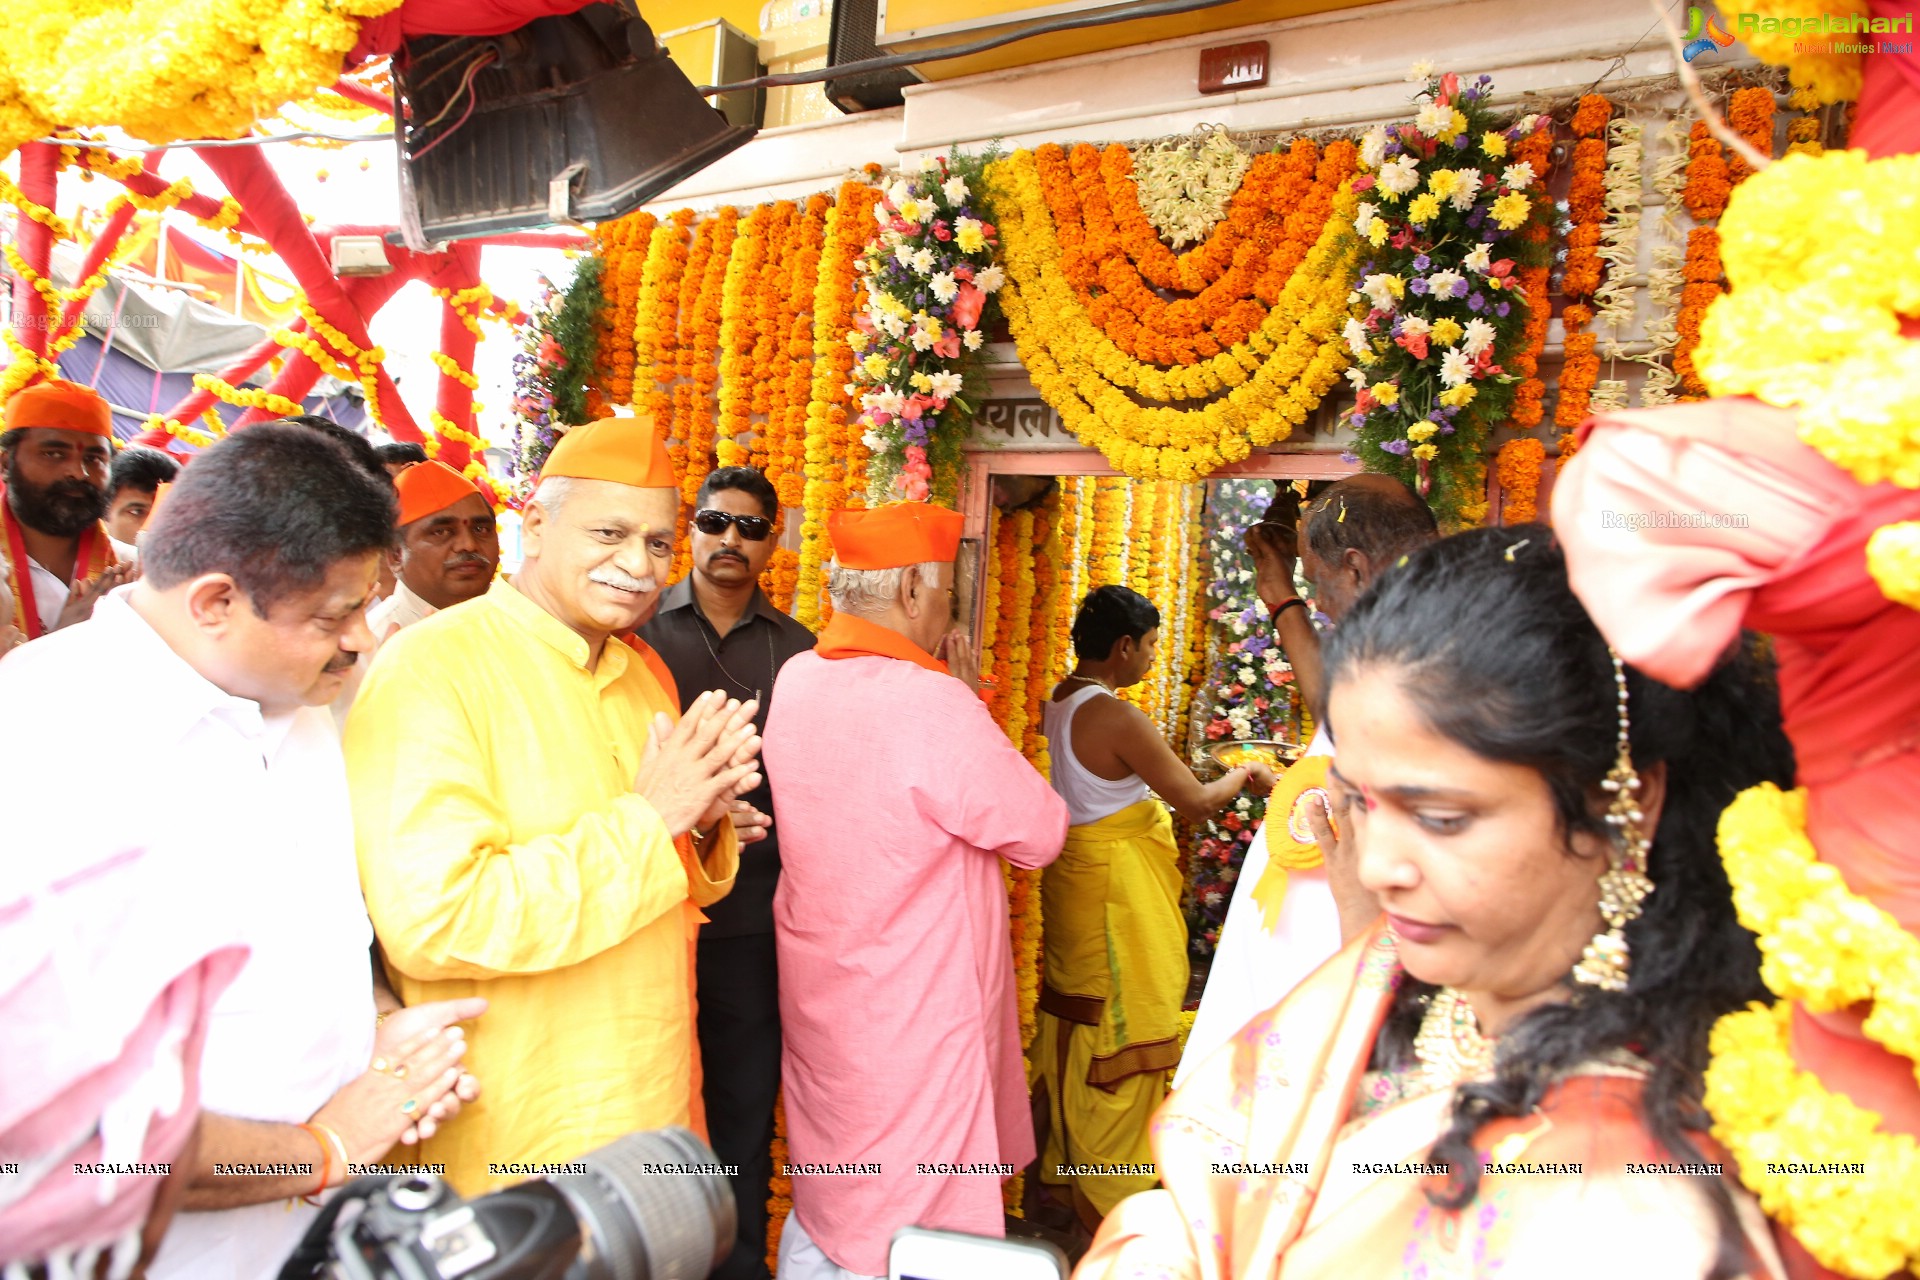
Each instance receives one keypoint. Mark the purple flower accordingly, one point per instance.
(1477, 217)
(1478, 302)
(1419, 286)
(1501, 310)
(1421, 262)
(1348, 456)
(1358, 419)
(1396, 447)
(1460, 143)
(1460, 287)
(1446, 428)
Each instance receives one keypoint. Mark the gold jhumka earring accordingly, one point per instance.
(1624, 884)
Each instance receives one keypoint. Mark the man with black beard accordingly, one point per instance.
(716, 629)
(54, 451)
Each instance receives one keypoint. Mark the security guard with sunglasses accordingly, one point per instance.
(716, 629)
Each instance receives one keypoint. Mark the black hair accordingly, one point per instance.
(748, 480)
(10, 438)
(138, 467)
(275, 505)
(1484, 634)
(1363, 515)
(1107, 614)
(358, 447)
(401, 452)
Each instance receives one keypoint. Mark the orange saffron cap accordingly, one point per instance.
(895, 535)
(629, 451)
(430, 487)
(65, 406)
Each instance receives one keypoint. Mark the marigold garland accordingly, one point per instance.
(826, 432)
(1813, 318)
(247, 398)
(1294, 358)
(1517, 466)
(204, 71)
(1586, 207)
(1535, 150)
(780, 1190)
(1825, 948)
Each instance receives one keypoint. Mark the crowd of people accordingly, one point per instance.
(408, 861)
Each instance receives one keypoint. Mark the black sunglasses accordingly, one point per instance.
(752, 528)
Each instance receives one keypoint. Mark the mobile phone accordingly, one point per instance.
(921, 1254)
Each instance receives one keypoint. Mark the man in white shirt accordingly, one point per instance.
(1355, 531)
(251, 607)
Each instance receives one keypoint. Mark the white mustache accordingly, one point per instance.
(623, 581)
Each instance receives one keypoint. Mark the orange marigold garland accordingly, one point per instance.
(772, 294)
(780, 1192)
(1586, 208)
(653, 336)
(739, 298)
(1518, 467)
(623, 243)
(1535, 150)
(786, 427)
(1750, 111)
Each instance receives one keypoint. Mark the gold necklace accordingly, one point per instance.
(1096, 680)
(1449, 1044)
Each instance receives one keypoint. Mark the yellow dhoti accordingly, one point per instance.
(1109, 1013)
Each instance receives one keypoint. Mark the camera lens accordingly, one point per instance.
(645, 1220)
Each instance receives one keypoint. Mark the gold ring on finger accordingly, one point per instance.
(410, 1106)
(382, 1065)
(400, 1072)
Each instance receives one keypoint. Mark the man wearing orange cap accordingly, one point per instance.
(897, 798)
(449, 547)
(534, 826)
(54, 453)
(447, 551)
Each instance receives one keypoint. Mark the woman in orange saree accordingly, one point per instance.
(1502, 1075)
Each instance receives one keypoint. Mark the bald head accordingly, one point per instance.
(1355, 531)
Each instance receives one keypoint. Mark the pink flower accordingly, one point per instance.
(1501, 268)
(940, 231)
(949, 344)
(911, 409)
(1449, 86)
(963, 272)
(967, 305)
(1364, 402)
(1415, 344)
(1363, 183)
(986, 229)
(879, 417)
(1402, 238)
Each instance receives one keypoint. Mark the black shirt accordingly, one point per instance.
(742, 664)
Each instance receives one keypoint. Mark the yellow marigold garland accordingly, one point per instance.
(653, 321)
(205, 71)
(246, 397)
(1810, 60)
(1813, 318)
(1277, 377)
(1826, 948)
(737, 305)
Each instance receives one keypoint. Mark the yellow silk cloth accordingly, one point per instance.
(1116, 976)
(1304, 784)
(1270, 1173)
(504, 855)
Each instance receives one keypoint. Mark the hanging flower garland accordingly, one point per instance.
(780, 1186)
(1517, 466)
(646, 364)
(533, 431)
(1535, 150)
(1045, 661)
(827, 435)
(1587, 213)
(1711, 177)
(1616, 298)
(739, 296)
(1277, 377)
(1438, 312)
(929, 275)
(1665, 275)
(786, 450)
(772, 316)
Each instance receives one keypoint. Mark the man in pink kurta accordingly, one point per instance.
(897, 799)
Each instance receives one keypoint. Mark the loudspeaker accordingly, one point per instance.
(850, 39)
(576, 118)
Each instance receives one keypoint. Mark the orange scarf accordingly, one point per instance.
(95, 553)
(849, 637)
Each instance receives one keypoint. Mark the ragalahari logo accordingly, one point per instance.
(1715, 37)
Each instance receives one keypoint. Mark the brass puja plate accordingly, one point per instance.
(1275, 755)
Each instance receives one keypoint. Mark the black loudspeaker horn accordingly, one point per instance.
(850, 39)
(576, 118)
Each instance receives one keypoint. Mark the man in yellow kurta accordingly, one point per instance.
(534, 827)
